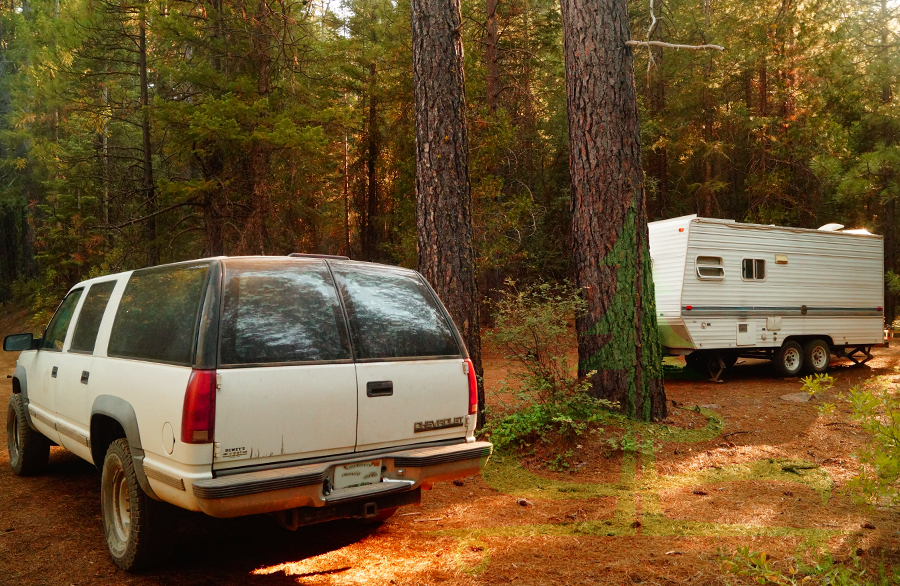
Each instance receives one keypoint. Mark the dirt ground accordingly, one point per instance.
(749, 469)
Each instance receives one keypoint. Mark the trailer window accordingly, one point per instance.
(753, 269)
(710, 268)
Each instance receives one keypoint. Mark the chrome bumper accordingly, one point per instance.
(280, 489)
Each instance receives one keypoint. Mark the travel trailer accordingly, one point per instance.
(726, 290)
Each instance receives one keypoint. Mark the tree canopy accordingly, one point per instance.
(275, 126)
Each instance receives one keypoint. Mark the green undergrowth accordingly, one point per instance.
(762, 569)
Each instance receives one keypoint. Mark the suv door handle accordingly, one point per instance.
(54, 371)
(383, 388)
(84, 377)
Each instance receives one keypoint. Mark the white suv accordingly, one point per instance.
(312, 388)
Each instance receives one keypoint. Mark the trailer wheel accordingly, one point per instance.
(817, 356)
(697, 361)
(729, 358)
(788, 359)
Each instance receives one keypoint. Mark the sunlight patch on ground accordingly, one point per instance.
(638, 510)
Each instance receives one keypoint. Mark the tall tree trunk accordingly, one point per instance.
(213, 240)
(347, 251)
(370, 237)
(617, 338)
(493, 70)
(658, 157)
(889, 213)
(445, 238)
(149, 187)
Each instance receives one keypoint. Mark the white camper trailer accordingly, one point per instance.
(726, 290)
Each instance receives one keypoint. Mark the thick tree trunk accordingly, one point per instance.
(149, 186)
(444, 231)
(617, 338)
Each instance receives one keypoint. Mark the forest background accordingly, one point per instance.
(138, 132)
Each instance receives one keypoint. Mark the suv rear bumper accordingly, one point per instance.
(304, 486)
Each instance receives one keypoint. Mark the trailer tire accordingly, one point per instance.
(788, 359)
(729, 359)
(697, 361)
(816, 356)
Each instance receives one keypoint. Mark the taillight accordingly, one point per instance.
(473, 388)
(199, 416)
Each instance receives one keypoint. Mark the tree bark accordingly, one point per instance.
(370, 237)
(149, 185)
(617, 338)
(444, 230)
(493, 70)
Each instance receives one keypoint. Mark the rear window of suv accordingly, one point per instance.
(281, 312)
(157, 316)
(393, 314)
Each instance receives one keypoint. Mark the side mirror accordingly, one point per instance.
(19, 342)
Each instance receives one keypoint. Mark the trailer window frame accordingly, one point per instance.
(720, 276)
(756, 263)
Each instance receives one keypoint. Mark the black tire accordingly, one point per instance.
(697, 361)
(138, 529)
(788, 359)
(729, 359)
(29, 450)
(816, 356)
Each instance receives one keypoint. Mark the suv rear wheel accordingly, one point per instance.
(788, 360)
(136, 526)
(29, 450)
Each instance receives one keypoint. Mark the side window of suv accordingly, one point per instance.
(157, 316)
(91, 315)
(281, 312)
(393, 314)
(55, 334)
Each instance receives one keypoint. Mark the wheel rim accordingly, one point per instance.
(792, 359)
(819, 358)
(121, 506)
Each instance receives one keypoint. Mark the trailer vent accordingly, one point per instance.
(710, 268)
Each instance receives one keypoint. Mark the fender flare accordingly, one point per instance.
(21, 376)
(122, 412)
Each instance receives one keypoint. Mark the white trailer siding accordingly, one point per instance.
(831, 286)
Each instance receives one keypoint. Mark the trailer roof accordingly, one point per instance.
(693, 218)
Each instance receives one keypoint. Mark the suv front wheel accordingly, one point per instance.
(136, 526)
(29, 450)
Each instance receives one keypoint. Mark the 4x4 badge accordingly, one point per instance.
(439, 424)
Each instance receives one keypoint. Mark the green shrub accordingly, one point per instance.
(876, 407)
(533, 333)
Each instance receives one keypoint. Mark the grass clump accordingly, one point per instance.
(762, 569)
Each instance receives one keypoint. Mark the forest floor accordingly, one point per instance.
(746, 469)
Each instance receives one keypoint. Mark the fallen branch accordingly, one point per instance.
(672, 45)
(733, 433)
(795, 469)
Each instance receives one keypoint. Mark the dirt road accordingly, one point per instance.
(665, 517)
